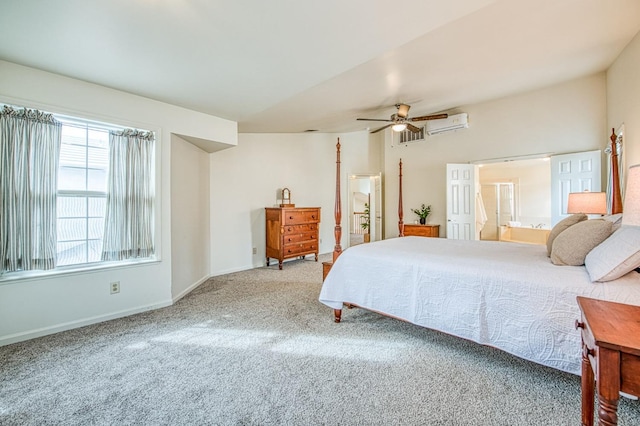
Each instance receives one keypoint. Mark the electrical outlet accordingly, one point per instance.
(115, 287)
(255, 250)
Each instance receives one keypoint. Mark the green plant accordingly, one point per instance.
(366, 219)
(423, 211)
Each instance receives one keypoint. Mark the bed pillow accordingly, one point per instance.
(574, 243)
(616, 256)
(616, 219)
(562, 226)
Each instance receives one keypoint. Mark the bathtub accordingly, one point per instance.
(524, 235)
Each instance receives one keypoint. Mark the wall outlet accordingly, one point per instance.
(115, 287)
(255, 250)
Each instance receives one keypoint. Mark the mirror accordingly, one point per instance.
(516, 192)
(364, 222)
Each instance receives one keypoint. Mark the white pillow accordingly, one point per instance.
(615, 256)
(616, 219)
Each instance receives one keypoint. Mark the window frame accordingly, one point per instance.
(108, 123)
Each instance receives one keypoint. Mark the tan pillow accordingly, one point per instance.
(574, 243)
(616, 256)
(561, 226)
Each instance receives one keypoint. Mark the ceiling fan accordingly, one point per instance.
(401, 120)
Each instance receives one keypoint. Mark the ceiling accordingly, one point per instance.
(292, 66)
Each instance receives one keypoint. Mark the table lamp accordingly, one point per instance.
(587, 202)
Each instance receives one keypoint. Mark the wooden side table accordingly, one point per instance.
(611, 349)
(421, 230)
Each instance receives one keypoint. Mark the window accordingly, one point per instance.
(82, 193)
(99, 209)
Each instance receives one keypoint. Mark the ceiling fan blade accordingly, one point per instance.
(429, 117)
(413, 128)
(403, 110)
(373, 119)
(381, 128)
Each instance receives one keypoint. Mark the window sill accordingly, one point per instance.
(12, 277)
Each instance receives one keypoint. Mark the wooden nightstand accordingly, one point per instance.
(611, 348)
(422, 230)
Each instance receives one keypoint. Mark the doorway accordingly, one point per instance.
(499, 203)
(364, 221)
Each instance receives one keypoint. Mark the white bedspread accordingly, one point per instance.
(506, 295)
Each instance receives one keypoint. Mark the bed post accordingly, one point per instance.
(337, 250)
(400, 211)
(616, 198)
(337, 211)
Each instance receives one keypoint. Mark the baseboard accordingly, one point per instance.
(32, 334)
(191, 288)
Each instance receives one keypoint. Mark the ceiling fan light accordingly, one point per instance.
(399, 127)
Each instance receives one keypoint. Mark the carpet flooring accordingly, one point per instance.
(257, 348)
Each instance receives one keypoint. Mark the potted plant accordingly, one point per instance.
(366, 223)
(422, 212)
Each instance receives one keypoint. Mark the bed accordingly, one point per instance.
(502, 294)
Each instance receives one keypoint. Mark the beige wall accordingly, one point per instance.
(623, 99)
(190, 245)
(39, 306)
(247, 178)
(569, 117)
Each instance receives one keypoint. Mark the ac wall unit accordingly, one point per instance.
(453, 122)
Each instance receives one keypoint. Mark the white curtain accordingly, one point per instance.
(129, 220)
(29, 153)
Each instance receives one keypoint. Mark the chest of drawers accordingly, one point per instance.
(422, 230)
(292, 232)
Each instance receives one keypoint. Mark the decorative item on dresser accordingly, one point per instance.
(421, 230)
(291, 232)
(422, 213)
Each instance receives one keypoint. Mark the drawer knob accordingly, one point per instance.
(579, 325)
(586, 352)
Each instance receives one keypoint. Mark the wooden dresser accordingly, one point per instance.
(610, 356)
(421, 230)
(292, 232)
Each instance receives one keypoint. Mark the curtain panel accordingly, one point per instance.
(129, 219)
(29, 154)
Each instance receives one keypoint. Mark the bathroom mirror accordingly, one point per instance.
(516, 193)
(364, 216)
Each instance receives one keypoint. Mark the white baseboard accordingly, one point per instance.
(32, 334)
(190, 288)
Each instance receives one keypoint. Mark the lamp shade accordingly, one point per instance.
(631, 206)
(587, 202)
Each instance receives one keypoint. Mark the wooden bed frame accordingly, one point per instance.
(616, 207)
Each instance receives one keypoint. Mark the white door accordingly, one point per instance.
(572, 173)
(462, 185)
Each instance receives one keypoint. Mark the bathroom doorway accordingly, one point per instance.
(499, 200)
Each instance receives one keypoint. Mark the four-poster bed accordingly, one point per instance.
(502, 294)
